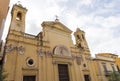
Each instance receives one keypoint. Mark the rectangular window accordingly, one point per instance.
(118, 68)
(113, 67)
(87, 77)
(105, 68)
(63, 72)
(29, 78)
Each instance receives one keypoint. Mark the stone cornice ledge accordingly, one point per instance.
(28, 68)
(63, 57)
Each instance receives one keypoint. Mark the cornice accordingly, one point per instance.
(29, 43)
(63, 57)
(20, 41)
(97, 59)
(56, 25)
(23, 36)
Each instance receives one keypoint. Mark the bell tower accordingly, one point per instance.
(80, 39)
(18, 15)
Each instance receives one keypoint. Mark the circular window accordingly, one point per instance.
(30, 62)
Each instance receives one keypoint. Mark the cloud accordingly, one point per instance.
(110, 46)
(99, 19)
(87, 2)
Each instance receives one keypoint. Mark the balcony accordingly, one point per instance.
(116, 72)
(107, 73)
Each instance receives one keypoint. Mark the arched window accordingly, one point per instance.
(78, 36)
(19, 16)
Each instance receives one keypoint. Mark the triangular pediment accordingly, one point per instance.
(57, 25)
(62, 27)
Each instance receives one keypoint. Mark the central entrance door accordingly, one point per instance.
(29, 78)
(63, 72)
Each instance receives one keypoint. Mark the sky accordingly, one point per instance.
(100, 19)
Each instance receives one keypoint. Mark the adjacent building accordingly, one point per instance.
(117, 61)
(104, 64)
(4, 6)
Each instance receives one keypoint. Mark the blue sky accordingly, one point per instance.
(100, 19)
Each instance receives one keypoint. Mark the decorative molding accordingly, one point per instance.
(63, 57)
(61, 62)
(22, 42)
(54, 62)
(48, 53)
(41, 52)
(70, 63)
(73, 56)
(9, 48)
(88, 58)
(32, 68)
(61, 50)
(79, 60)
(20, 49)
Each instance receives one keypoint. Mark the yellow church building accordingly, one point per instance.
(51, 55)
(48, 56)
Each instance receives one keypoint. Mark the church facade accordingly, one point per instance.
(48, 56)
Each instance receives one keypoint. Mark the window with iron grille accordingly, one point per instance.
(87, 77)
(63, 72)
(29, 78)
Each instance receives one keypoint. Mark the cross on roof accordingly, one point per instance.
(56, 18)
(19, 2)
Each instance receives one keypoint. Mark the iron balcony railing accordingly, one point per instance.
(108, 73)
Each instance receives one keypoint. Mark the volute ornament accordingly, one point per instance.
(40, 52)
(20, 49)
(10, 48)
